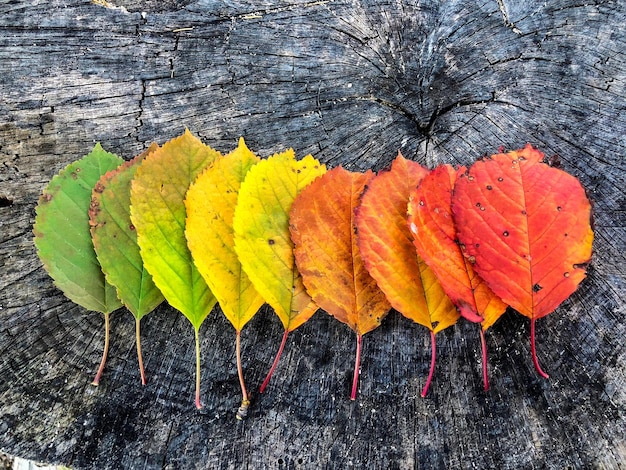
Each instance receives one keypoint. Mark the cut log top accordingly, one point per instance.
(350, 82)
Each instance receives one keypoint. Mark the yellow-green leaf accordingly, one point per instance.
(158, 214)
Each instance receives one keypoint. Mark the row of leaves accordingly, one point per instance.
(184, 223)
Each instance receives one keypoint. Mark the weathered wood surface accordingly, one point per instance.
(351, 82)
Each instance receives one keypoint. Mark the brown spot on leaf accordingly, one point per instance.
(505, 233)
(537, 288)
(271, 241)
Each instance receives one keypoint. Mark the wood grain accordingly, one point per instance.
(352, 82)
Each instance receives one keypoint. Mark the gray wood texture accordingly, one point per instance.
(351, 81)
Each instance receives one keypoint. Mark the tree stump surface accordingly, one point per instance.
(350, 82)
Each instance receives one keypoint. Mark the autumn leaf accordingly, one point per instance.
(386, 246)
(158, 214)
(115, 241)
(432, 225)
(526, 226)
(63, 239)
(210, 204)
(262, 241)
(323, 232)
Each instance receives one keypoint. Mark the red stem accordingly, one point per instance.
(139, 355)
(242, 412)
(432, 363)
(275, 363)
(483, 344)
(96, 379)
(357, 364)
(198, 404)
(534, 351)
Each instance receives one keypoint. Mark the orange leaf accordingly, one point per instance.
(527, 227)
(323, 231)
(430, 221)
(389, 255)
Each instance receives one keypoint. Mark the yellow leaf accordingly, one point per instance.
(210, 204)
(262, 240)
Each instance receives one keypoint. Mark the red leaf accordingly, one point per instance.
(435, 238)
(527, 227)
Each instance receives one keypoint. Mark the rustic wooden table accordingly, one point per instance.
(351, 82)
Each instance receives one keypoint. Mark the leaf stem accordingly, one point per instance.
(534, 351)
(357, 365)
(483, 345)
(96, 380)
(432, 363)
(275, 363)
(139, 355)
(242, 412)
(198, 404)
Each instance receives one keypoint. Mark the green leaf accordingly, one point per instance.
(62, 234)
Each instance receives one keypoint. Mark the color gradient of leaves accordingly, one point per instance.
(210, 204)
(262, 241)
(158, 214)
(389, 255)
(115, 242)
(327, 255)
(527, 228)
(63, 238)
(435, 238)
